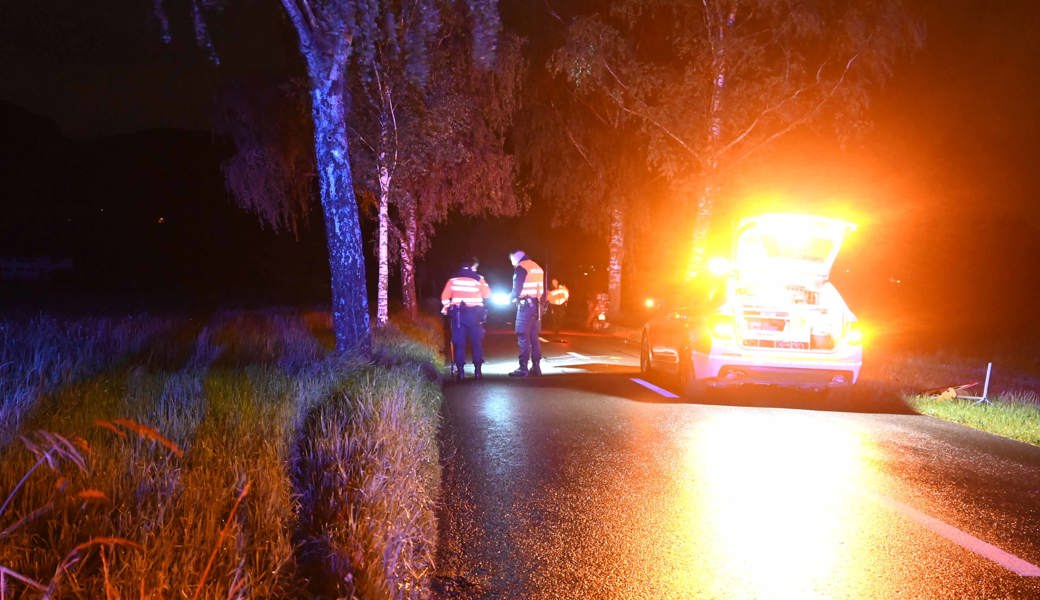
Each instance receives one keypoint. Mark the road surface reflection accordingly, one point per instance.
(760, 504)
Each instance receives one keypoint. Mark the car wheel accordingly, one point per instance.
(692, 388)
(645, 364)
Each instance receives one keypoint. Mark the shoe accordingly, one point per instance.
(476, 373)
(536, 371)
(519, 373)
(460, 374)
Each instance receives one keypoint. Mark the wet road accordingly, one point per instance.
(585, 484)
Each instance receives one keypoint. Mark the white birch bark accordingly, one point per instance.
(717, 19)
(326, 59)
(384, 175)
(411, 228)
(383, 243)
(617, 256)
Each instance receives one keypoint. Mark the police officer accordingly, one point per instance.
(558, 297)
(528, 290)
(463, 300)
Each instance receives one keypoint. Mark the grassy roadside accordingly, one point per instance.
(1013, 406)
(236, 458)
(1014, 415)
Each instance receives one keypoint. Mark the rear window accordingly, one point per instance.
(755, 246)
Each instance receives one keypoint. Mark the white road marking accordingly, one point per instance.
(576, 355)
(961, 538)
(543, 340)
(652, 387)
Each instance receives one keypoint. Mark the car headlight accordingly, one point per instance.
(500, 298)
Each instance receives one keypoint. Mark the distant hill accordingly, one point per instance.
(143, 215)
(22, 128)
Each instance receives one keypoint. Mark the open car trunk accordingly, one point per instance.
(780, 294)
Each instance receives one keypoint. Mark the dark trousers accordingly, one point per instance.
(467, 325)
(555, 316)
(528, 327)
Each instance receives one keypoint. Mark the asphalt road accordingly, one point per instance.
(583, 483)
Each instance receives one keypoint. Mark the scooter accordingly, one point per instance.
(598, 313)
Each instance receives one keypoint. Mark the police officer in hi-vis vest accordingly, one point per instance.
(463, 299)
(528, 292)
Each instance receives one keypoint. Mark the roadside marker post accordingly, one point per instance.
(984, 398)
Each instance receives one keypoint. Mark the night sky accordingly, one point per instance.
(107, 158)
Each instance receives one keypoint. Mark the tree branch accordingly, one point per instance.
(805, 118)
(570, 136)
(552, 12)
(304, 28)
(754, 124)
(660, 126)
(614, 75)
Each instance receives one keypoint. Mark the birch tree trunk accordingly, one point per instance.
(717, 19)
(617, 255)
(350, 318)
(383, 249)
(385, 164)
(326, 56)
(411, 229)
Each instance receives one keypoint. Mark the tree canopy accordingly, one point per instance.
(712, 84)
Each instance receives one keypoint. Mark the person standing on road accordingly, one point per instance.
(463, 300)
(528, 291)
(558, 297)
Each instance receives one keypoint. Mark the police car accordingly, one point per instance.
(771, 317)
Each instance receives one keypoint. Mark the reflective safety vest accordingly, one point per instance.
(559, 295)
(534, 283)
(466, 290)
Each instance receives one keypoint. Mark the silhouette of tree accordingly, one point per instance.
(713, 83)
(331, 36)
(419, 126)
(459, 163)
(271, 173)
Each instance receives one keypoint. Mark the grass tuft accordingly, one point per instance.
(414, 346)
(369, 474)
(203, 460)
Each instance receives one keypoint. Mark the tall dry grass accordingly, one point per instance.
(368, 467)
(213, 468)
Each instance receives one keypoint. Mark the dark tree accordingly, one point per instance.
(592, 162)
(271, 173)
(417, 121)
(458, 163)
(720, 80)
(328, 33)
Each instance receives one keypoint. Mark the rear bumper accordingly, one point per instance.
(730, 365)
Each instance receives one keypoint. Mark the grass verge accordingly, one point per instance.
(1013, 407)
(1014, 415)
(235, 458)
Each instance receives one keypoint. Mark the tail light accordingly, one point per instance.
(853, 333)
(722, 327)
